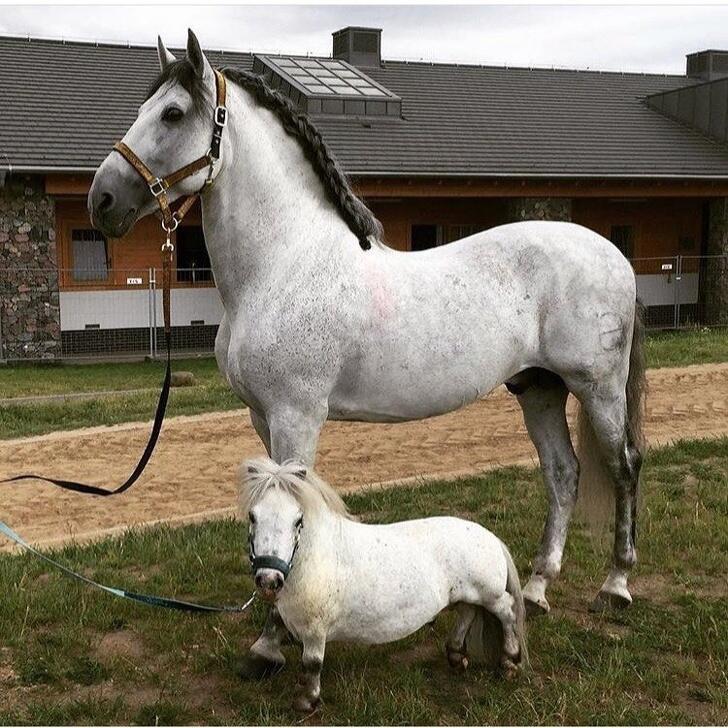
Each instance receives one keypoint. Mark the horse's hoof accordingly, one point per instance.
(257, 667)
(304, 704)
(536, 608)
(509, 669)
(610, 600)
(458, 661)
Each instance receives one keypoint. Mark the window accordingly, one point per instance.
(89, 254)
(623, 238)
(193, 262)
(426, 236)
(429, 236)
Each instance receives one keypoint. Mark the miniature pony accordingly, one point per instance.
(335, 579)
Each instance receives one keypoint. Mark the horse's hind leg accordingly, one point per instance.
(542, 397)
(455, 646)
(504, 609)
(606, 409)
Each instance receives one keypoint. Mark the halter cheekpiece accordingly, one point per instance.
(159, 186)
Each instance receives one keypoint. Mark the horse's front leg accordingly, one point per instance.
(265, 657)
(312, 661)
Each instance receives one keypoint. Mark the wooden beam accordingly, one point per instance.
(68, 184)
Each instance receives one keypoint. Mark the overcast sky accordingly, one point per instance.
(630, 38)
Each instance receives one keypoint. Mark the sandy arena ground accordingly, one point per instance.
(192, 475)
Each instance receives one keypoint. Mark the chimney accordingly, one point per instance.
(358, 46)
(707, 65)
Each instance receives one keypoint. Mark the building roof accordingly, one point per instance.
(65, 103)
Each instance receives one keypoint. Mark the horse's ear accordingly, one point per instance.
(196, 57)
(165, 57)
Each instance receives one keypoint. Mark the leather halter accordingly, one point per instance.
(159, 186)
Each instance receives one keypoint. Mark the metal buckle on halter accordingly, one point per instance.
(158, 187)
(220, 116)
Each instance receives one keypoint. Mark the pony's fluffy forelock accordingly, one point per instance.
(259, 475)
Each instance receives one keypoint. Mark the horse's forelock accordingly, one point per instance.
(262, 474)
(182, 73)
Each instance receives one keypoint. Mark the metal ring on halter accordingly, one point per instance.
(175, 225)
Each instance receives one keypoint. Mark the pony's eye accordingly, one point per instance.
(172, 113)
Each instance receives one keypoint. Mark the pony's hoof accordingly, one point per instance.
(458, 661)
(303, 704)
(536, 608)
(509, 669)
(610, 600)
(257, 667)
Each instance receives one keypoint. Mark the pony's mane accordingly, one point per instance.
(359, 218)
(260, 475)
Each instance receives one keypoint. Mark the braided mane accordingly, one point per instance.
(356, 214)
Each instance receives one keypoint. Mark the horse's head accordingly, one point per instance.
(275, 520)
(173, 127)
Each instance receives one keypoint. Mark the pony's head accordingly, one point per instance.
(280, 501)
(174, 126)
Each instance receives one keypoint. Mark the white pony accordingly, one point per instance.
(323, 321)
(334, 579)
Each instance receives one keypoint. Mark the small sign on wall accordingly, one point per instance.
(138, 281)
(667, 266)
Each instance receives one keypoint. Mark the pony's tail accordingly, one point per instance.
(596, 489)
(484, 640)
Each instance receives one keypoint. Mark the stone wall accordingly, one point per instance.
(540, 208)
(30, 325)
(714, 278)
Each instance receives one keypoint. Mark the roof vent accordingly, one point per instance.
(359, 46)
(707, 65)
(327, 86)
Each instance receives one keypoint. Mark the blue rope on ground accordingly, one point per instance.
(148, 599)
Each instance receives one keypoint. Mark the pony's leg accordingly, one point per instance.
(544, 411)
(312, 661)
(455, 645)
(265, 657)
(504, 609)
(261, 427)
(607, 411)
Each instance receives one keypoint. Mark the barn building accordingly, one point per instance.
(437, 150)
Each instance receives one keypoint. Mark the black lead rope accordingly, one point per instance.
(86, 489)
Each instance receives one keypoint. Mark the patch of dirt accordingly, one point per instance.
(122, 643)
(192, 475)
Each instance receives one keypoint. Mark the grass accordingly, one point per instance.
(70, 655)
(211, 393)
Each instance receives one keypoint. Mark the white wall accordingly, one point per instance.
(122, 309)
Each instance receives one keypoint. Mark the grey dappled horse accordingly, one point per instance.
(323, 321)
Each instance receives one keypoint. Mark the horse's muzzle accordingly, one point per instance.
(268, 583)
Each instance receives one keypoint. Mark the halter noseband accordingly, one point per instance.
(159, 186)
(273, 562)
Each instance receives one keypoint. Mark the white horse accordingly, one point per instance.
(319, 327)
(334, 579)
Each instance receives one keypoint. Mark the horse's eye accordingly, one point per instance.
(172, 113)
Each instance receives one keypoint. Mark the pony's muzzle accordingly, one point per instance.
(268, 583)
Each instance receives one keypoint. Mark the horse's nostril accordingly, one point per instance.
(106, 202)
(279, 581)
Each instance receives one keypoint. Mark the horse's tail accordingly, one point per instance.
(596, 489)
(484, 640)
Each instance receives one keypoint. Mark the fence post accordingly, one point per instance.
(678, 278)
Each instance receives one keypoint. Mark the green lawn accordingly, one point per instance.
(211, 393)
(70, 655)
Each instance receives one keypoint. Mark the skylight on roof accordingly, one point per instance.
(327, 86)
